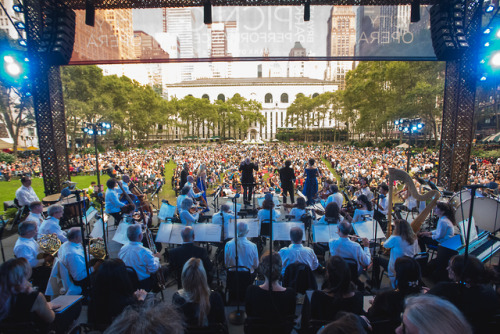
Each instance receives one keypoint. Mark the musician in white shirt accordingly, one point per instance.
(247, 250)
(27, 247)
(336, 196)
(296, 252)
(186, 217)
(346, 248)
(183, 194)
(51, 224)
(36, 209)
(135, 255)
(224, 215)
(25, 194)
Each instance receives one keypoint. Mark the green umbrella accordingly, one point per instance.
(493, 138)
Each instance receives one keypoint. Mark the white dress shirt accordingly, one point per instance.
(398, 247)
(346, 248)
(26, 195)
(322, 220)
(125, 187)
(336, 198)
(383, 205)
(297, 213)
(364, 191)
(247, 254)
(113, 204)
(187, 218)
(180, 198)
(358, 215)
(266, 215)
(35, 217)
(444, 230)
(71, 255)
(217, 218)
(191, 193)
(51, 225)
(29, 249)
(135, 255)
(298, 253)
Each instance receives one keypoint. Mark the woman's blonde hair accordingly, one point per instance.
(13, 275)
(404, 230)
(432, 314)
(195, 287)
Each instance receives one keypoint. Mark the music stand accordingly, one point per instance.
(80, 216)
(236, 317)
(157, 190)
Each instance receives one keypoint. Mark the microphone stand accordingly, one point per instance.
(79, 208)
(236, 317)
(467, 237)
(375, 280)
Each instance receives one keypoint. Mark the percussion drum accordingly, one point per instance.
(71, 206)
(486, 213)
(459, 198)
(51, 199)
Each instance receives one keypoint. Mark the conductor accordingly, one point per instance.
(287, 177)
(247, 181)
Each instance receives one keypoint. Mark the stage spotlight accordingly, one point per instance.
(420, 125)
(495, 59)
(22, 42)
(20, 25)
(490, 8)
(483, 77)
(90, 132)
(307, 11)
(18, 8)
(486, 31)
(400, 128)
(396, 122)
(207, 12)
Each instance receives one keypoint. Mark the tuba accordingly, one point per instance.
(97, 249)
(431, 195)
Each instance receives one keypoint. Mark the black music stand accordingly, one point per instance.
(236, 317)
(82, 229)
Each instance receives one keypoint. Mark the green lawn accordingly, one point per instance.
(8, 189)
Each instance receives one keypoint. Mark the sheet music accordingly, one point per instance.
(97, 229)
(207, 232)
(231, 206)
(166, 210)
(324, 232)
(65, 301)
(164, 233)
(275, 200)
(366, 229)
(281, 231)
(121, 233)
(253, 228)
(464, 225)
(89, 215)
(175, 236)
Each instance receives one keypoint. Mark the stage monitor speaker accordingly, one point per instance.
(58, 37)
(447, 29)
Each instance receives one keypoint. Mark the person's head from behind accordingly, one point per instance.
(126, 178)
(27, 229)
(186, 203)
(148, 319)
(56, 211)
(195, 286)
(242, 229)
(190, 179)
(288, 163)
(187, 234)
(36, 207)
(301, 203)
(111, 183)
(338, 275)
(296, 235)
(134, 233)
(224, 208)
(112, 279)
(334, 188)
(428, 314)
(332, 211)
(75, 235)
(311, 162)
(408, 275)
(469, 273)
(364, 202)
(185, 190)
(14, 275)
(271, 264)
(344, 228)
(267, 204)
(345, 323)
(404, 230)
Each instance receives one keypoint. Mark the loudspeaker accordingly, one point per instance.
(58, 37)
(207, 13)
(89, 12)
(307, 11)
(447, 29)
(415, 11)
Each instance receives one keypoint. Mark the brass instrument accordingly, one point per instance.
(152, 247)
(432, 195)
(97, 248)
(49, 245)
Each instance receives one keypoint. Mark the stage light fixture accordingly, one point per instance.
(207, 12)
(18, 8)
(495, 59)
(490, 8)
(307, 11)
(22, 42)
(28, 94)
(483, 77)
(20, 25)
(486, 31)
(90, 132)
(420, 125)
(396, 122)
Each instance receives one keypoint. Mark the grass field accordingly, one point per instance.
(8, 189)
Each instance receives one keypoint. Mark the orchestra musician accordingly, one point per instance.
(287, 178)
(192, 194)
(381, 205)
(224, 215)
(364, 208)
(346, 248)
(183, 194)
(247, 250)
(51, 224)
(113, 205)
(135, 255)
(25, 194)
(187, 215)
(299, 209)
(336, 196)
(36, 210)
(363, 189)
(28, 248)
(444, 229)
(247, 180)
(297, 253)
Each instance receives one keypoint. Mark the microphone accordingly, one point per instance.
(476, 186)
(65, 192)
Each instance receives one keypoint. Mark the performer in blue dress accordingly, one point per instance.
(201, 183)
(311, 173)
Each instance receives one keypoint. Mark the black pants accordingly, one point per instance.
(288, 188)
(40, 277)
(117, 216)
(424, 241)
(247, 192)
(84, 284)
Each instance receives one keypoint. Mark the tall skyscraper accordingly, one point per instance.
(121, 21)
(4, 20)
(146, 47)
(181, 22)
(341, 42)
